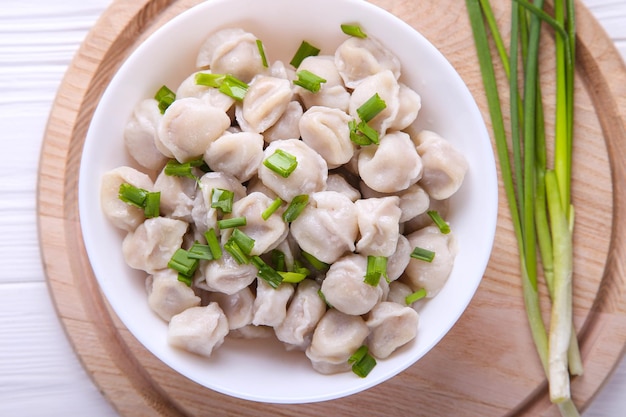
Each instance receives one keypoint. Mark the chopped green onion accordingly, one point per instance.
(281, 162)
(323, 297)
(213, 243)
(315, 263)
(233, 87)
(439, 222)
(222, 199)
(245, 242)
(165, 98)
(236, 252)
(259, 45)
(173, 168)
(299, 268)
(152, 205)
(423, 254)
(232, 222)
(266, 272)
(376, 268)
(362, 362)
(182, 263)
(309, 81)
(417, 295)
(188, 280)
(295, 207)
(305, 50)
(200, 251)
(271, 209)
(278, 260)
(209, 80)
(353, 30)
(132, 195)
(292, 277)
(371, 108)
(363, 134)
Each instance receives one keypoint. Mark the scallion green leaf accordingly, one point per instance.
(200, 251)
(376, 268)
(271, 209)
(185, 279)
(315, 263)
(417, 295)
(213, 243)
(266, 272)
(132, 195)
(236, 252)
(362, 362)
(232, 222)
(371, 108)
(245, 242)
(233, 87)
(295, 207)
(209, 80)
(353, 30)
(165, 97)
(278, 260)
(292, 277)
(222, 199)
(439, 221)
(362, 134)
(423, 254)
(152, 205)
(309, 81)
(182, 263)
(259, 45)
(304, 50)
(281, 162)
(173, 168)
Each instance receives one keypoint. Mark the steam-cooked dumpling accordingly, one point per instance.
(267, 234)
(304, 312)
(177, 196)
(358, 58)
(288, 126)
(122, 215)
(188, 127)
(309, 176)
(140, 135)
(397, 262)
(236, 154)
(431, 275)
(413, 201)
(205, 217)
(391, 325)
(167, 296)
(270, 304)
(444, 165)
(392, 166)
(238, 307)
(338, 183)
(409, 105)
(345, 289)
(210, 95)
(264, 104)
(326, 130)
(336, 337)
(225, 275)
(386, 86)
(231, 51)
(200, 330)
(379, 225)
(332, 92)
(327, 227)
(151, 246)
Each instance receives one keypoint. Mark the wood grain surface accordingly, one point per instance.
(487, 365)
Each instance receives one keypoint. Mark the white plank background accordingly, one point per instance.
(39, 373)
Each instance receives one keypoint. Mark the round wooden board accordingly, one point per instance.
(486, 366)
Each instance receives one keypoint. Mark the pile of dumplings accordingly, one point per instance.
(363, 201)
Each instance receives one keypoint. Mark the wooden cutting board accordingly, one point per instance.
(486, 366)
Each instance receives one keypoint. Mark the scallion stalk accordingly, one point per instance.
(261, 49)
(416, 296)
(165, 97)
(376, 268)
(422, 254)
(281, 162)
(271, 209)
(232, 222)
(295, 207)
(353, 30)
(213, 243)
(371, 108)
(266, 272)
(309, 81)
(222, 199)
(439, 221)
(304, 50)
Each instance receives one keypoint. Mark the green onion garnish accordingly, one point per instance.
(233, 87)
(309, 81)
(182, 263)
(305, 50)
(188, 280)
(165, 97)
(236, 252)
(353, 30)
(295, 207)
(281, 162)
(362, 362)
(173, 168)
(152, 205)
(376, 268)
(299, 268)
(363, 134)
(245, 242)
(209, 80)
(200, 251)
(232, 222)
(138, 197)
(292, 277)
(271, 209)
(222, 199)
(417, 295)
(439, 222)
(323, 297)
(213, 243)
(423, 254)
(266, 272)
(315, 263)
(370, 109)
(278, 260)
(259, 45)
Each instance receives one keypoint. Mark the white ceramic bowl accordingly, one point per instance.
(261, 370)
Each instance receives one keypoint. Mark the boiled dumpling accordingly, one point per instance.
(358, 58)
(338, 183)
(188, 127)
(122, 215)
(231, 51)
(151, 246)
(270, 304)
(392, 166)
(265, 102)
(205, 216)
(225, 275)
(200, 330)
(431, 275)
(236, 154)
(309, 176)
(210, 95)
(140, 135)
(332, 92)
(409, 105)
(391, 325)
(336, 337)
(444, 165)
(326, 131)
(345, 288)
(413, 201)
(177, 196)
(386, 86)
(398, 261)
(327, 227)
(288, 126)
(167, 296)
(379, 225)
(304, 312)
(238, 307)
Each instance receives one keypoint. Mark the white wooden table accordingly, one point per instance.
(39, 373)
